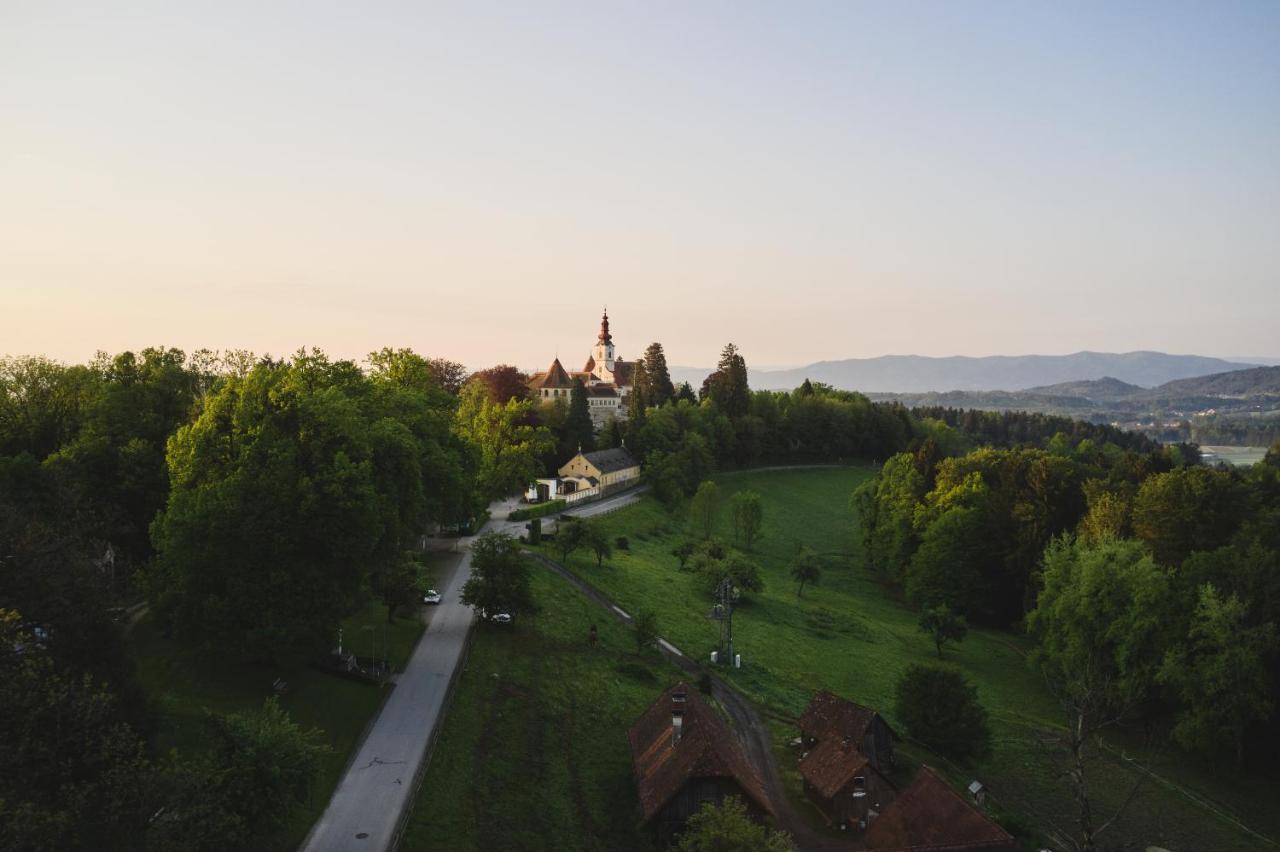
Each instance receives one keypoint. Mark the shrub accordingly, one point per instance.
(540, 510)
(940, 708)
(622, 543)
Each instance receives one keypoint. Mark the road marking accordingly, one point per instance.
(620, 611)
(672, 648)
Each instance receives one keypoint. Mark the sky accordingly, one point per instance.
(476, 181)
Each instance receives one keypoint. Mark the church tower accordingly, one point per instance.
(603, 353)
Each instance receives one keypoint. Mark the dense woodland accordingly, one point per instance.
(253, 502)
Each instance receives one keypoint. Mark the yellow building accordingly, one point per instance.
(610, 469)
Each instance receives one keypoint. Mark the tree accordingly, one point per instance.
(272, 512)
(502, 383)
(683, 551)
(509, 446)
(1221, 675)
(805, 568)
(711, 569)
(660, 390)
(943, 626)
(260, 767)
(75, 773)
(570, 535)
(728, 828)
(450, 376)
(645, 623)
(727, 386)
(597, 539)
(499, 579)
(685, 393)
(579, 430)
(703, 509)
(1191, 508)
(1099, 624)
(747, 511)
(940, 708)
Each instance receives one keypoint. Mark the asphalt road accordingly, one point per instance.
(377, 787)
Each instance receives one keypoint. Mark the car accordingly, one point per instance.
(496, 617)
(431, 597)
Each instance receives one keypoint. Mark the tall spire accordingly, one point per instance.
(605, 337)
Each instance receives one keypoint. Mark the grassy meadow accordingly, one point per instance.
(851, 635)
(184, 684)
(534, 754)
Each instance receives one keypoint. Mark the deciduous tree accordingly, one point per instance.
(747, 510)
(940, 708)
(943, 625)
(499, 579)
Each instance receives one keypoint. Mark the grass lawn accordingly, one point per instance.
(852, 636)
(534, 754)
(184, 684)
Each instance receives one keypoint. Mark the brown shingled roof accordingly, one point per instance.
(930, 815)
(554, 377)
(829, 715)
(832, 764)
(622, 372)
(707, 749)
(591, 364)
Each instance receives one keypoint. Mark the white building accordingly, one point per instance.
(607, 380)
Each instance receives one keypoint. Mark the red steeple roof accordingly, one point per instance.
(605, 337)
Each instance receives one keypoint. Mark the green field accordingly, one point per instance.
(533, 754)
(183, 684)
(851, 635)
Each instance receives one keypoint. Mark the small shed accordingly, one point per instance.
(843, 784)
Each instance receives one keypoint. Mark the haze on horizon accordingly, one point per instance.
(812, 182)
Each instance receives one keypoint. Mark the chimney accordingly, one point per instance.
(677, 726)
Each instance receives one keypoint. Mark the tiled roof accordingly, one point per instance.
(832, 764)
(591, 364)
(607, 461)
(622, 372)
(829, 715)
(707, 749)
(554, 377)
(602, 390)
(930, 815)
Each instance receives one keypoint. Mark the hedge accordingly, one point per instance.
(548, 508)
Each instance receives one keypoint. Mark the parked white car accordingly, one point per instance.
(431, 597)
(496, 617)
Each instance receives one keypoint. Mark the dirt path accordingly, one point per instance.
(752, 732)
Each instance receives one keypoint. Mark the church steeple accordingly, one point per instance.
(602, 354)
(605, 336)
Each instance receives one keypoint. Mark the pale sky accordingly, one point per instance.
(810, 180)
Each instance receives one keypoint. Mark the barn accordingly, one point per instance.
(683, 756)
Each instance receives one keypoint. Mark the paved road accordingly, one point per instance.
(377, 787)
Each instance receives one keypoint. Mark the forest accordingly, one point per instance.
(252, 502)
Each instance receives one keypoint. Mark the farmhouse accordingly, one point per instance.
(829, 716)
(683, 756)
(610, 469)
(607, 380)
(929, 814)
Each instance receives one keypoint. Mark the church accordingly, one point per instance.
(606, 378)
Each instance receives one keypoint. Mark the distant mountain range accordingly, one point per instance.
(1052, 375)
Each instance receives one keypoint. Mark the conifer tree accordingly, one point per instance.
(579, 430)
(660, 390)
